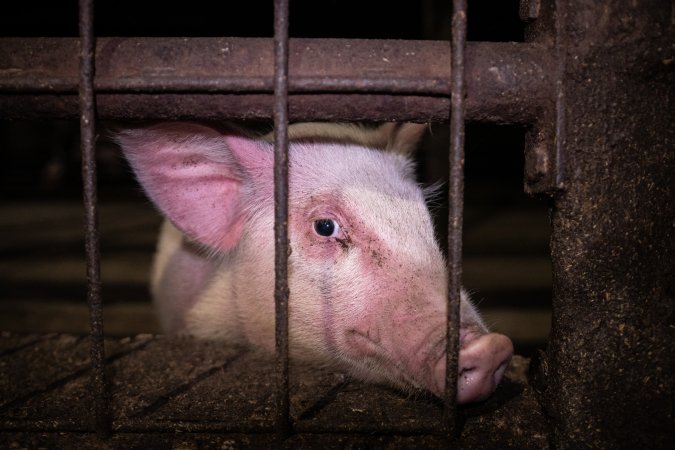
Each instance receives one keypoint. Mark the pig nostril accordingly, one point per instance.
(499, 373)
(466, 370)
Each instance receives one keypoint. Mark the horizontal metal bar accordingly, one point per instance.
(506, 82)
(217, 106)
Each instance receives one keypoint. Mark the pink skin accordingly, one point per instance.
(482, 363)
(410, 340)
(369, 298)
(182, 279)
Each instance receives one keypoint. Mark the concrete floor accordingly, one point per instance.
(42, 271)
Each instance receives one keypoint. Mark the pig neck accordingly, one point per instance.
(216, 314)
(191, 290)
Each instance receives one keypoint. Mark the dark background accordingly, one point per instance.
(372, 19)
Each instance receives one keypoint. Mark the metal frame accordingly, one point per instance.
(594, 84)
(111, 90)
(102, 411)
(281, 65)
(504, 83)
(507, 83)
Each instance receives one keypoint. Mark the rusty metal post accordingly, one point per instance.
(456, 209)
(281, 291)
(544, 140)
(88, 142)
(607, 378)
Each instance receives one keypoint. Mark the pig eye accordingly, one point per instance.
(326, 227)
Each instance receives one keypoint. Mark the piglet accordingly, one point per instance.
(367, 279)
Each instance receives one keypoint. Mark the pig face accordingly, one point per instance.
(368, 282)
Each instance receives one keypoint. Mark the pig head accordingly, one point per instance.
(368, 282)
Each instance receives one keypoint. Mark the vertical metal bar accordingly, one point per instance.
(560, 119)
(87, 143)
(281, 291)
(456, 208)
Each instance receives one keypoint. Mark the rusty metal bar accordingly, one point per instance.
(88, 142)
(281, 291)
(331, 107)
(456, 210)
(506, 82)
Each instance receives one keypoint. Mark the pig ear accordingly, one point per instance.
(193, 176)
(401, 138)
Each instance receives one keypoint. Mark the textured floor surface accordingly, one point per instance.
(180, 393)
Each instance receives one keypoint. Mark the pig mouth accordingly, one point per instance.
(419, 360)
(373, 360)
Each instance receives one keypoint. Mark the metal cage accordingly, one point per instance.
(554, 83)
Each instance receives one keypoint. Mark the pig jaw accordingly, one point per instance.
(483, 359)
(404, 364)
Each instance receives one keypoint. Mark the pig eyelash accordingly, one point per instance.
(329, 228)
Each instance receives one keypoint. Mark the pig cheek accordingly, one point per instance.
(403, 315)
(369, 295)
(183, 279)
(254, 294)
(316, 265)
(327, 294)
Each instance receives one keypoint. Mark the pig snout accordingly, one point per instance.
(482, 362)
(419, 357)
